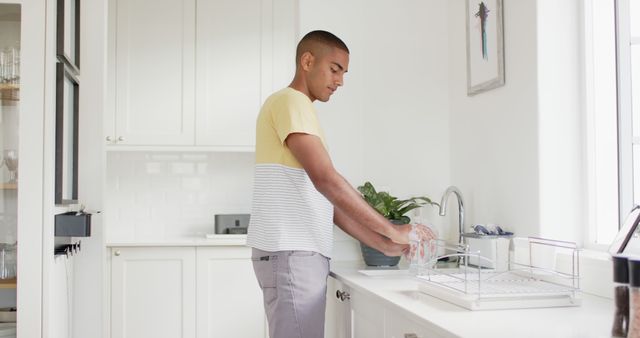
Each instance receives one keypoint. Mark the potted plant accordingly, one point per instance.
(394, 210)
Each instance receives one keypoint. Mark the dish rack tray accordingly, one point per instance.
(543, 274)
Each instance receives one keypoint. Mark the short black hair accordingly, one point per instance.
(320, 36)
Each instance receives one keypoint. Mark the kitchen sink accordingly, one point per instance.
(395, 271)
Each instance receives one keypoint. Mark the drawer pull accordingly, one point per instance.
(343, 295)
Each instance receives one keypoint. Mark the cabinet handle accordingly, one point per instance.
(343, 295)
(116, 253)
(410, 335)
(109, 139)
(120, 138)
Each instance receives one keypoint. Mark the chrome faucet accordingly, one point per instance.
(443, 208)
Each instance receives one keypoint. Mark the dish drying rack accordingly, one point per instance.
(545, 275)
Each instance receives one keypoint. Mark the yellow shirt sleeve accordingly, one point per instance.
(293, 114)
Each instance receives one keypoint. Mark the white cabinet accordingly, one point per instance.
(182, 76)
(185, 292)
(229, 302)
(353, 314)
(240, 46)
(367, 316)
(399, 325)
(153, 292)
(338, 312)
(229, 56)
(154, 46)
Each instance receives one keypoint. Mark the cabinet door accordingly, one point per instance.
(153, 293)
(229, 299)
(338, 312)
(367, 316)
(399, 325)
(155, 68)
(240, 44)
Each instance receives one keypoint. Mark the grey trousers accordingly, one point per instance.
(294, 286)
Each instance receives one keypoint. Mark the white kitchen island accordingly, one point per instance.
(390, 306)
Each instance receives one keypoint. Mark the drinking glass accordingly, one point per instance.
(7, 260)
(11, 160)
(3, 66)
(421, 256)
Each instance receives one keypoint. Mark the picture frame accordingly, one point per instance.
(67, 117)
(485, 45)
(68, 33)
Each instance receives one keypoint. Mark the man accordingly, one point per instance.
(298, 196)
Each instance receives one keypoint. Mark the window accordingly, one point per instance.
(628, 72)
(612, 68)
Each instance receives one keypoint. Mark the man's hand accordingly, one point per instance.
(422, 233)
(395, 249)
(408, 233)
(420, 237)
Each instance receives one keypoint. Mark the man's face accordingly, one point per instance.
(326, 73)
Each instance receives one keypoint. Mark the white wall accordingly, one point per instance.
(517, 150)
(406, 107)
(561, 121)
(494, 150)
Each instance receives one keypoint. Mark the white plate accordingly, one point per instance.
(385, 273)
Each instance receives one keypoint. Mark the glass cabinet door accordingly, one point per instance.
(10, 17)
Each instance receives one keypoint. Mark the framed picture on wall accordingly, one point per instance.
(485, 54)
(67, 98)
(68, 33)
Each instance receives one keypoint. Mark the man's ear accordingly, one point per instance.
(306, 60)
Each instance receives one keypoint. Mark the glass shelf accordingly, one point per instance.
(10, 108)
(8, 283)
(8, 186)
(9, 91)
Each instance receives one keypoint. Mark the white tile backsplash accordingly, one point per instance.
(155, 196)
(151, 195)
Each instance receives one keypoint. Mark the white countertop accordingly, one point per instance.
(592, 319)
(211, 240)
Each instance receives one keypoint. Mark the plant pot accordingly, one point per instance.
(373, 257)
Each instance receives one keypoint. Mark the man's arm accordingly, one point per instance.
(310, 152)
(367, 236)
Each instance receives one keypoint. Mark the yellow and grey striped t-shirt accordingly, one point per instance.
(288, 212)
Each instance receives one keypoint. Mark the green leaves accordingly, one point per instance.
(390, 206)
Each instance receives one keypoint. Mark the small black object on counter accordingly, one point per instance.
(621, 294)
(73, 224)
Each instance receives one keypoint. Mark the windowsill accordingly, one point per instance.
(596, 253)
(602, 248)
(596, 271)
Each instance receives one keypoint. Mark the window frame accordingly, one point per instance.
(624, 107)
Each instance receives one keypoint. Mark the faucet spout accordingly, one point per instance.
(443, 208)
